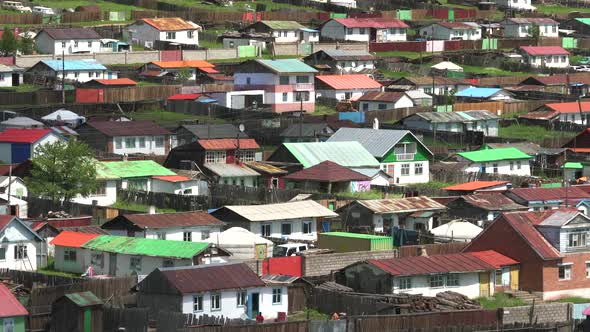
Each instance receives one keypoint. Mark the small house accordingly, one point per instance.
(61, 41)
(328, 177)
(12, 313)
(271, 175)
(18, 145)
(17, 186)
(180, 185)
(378, 177)
(20, 247)
(384, 100)
(10, 76)
(349, 242)
(451, 31)
(437, 85)
(539, 199)
(172, 68)
(380, 30)
(112, 83)
(522, 27)
(457, 122)
(545, 56)
(299, 220)
(348, 154)
(73, 70)
(285, 32)
(345, 87)
(476, 94)
(187, 133)
(419, 98)
(148, 31)
(509, 161)
(77, 312)
(338, 61)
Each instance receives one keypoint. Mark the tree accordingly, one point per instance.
(535, 33)
(8, 43)
(26, 45)
(63, 170)
(184, 74)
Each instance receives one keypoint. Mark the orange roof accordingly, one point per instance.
(349, 82)
(169, 24)
(72, 239)
(172, 178)
(475, 185)
(228, 144)
(572, 107)
(117, 81)
(581, 150)
(184, 64)
(494, 258)
(209, 70)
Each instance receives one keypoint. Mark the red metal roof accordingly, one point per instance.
(167, 220)
(5, 220)
(494, 258)
(327, 171)
(550, 194)
(408, 266)
(116, 81)
(37, 225)
(172, 178)
(72, 239)
(9, 304)
(475, 185)
(228, 144)
(16, 135)
(493, 201)
(572, 107)
(372, 23)
(521, 222)
(128, 128)
(349, 82)
(544, 50)
(185, 96)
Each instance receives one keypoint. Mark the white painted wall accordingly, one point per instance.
(549, 61)
(142, 32)
(190, 37)
(198, 233)
(103, 200)
(515, 4)
(503, 167)
(468, 285)
(342, 94)
(149, 146)
(285, 36)
(296, 229)
(189, 187)
(249, 181)
(334, 30)
(443, 33)
(13, 235)
(17, 187)
(48, 45)
(412, 177)
(403, 102)
(514, 30)
(6, 79)
(83, 75)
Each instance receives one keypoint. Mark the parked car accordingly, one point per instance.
(289, 249)
(581, 68)
(16, 5)
(43, 10)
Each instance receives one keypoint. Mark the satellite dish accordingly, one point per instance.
(241, 127)
(375, 123)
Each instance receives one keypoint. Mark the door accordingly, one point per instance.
(15, 79)
(261, 251)
(110, 75)
(112, 264)
(253, 305)
(514, 275)
(484, 284)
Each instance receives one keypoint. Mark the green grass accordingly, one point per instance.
(429, 141)
(431, 185)
(493, 71)
(395, 74)
(403, 54)
(321, 110)
(312, 313)
(104, 5)
(22, 88)
(210, 44)
(559, 9)
(531, 133)
(499, 300)
(573, 299)
(239, 6)
(165, 118)
(50, 270)
(137, 207)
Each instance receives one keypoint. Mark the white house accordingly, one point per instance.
(19, 144)
(342, 61)
(228, 290)
(521, 27)
(380, 30)
(291, 221)
(384, 100)
(75, 70)
(180, 185)
(451, 31)
(10, 76)
(345, 87)
(68, 41)
(16, 206)
(20, 247)
(520, 5)
(284, 32)
(167, 29)
(193, 226)
(17, 186)
(545, 56)
(456, 122)
(509, 161)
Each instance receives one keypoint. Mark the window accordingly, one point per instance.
(1, 76)
(118, 143)
(20, 252)
(205, 234)
(76, 74)
(97, 259)
(2, 253)
(161, 236)
(63, 44)
(405, 283)
(495, 168)
(307, 227)
(130, 142)
(197, 303)
(276, 295)
(248, 80)
(436, 280)
(302, 79)
(365, 107)
(349, 31)
(498, 280)
(69, 255)
(265, 230)
(8, 324)
(382, 106)
(405, 169)
(361, 31)
(418, 169)
(168, 263)
(347, 95)
(247, 155)
(215, 302)
(189, 34)
(392, 31)
(89, 44)
(283, 80)
(135, 264)
(576, 240)
(512, 165)
(159, 141)
(563, 58)
(285, 97)
(302, 95)
(141, 141)
(101, 189)
(565, 272)
(241, 299)
(170, 35)
(587, 269)
(76, 43)
(286, 229)
(215, 157)
(187, 236)
(453, 280)
(518, 165)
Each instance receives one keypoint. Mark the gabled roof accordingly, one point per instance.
(115, 81)
(488, 155)
(372, 23)
(401, 205)
(377, 141)
(462, 117)
(348, 154)
(279, 211)
(72, 239)
(128, 128)
(287, 66)
(382, 96)
(494, 258)
(168, 220)
(146, 247)
(228, 143)
(183, 64)
(530, 148)
(283, 25)
(349, 82)
(327, 171)
(170, 24)
(70, 33)
(306, 130)
(130, 169)
(10, 306)
(544, 50)
(210, 131)
(562, 217)
(82, 65)
(475, 92)
(533, 20)
(475, 185)
(493, 202)
(5, 219)
(571, 107)
(455, 25)
(17, 135)
(549, 194)
(265, 168)
(349, 54)
(230, 170)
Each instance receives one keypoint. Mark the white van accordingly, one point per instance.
(16, 5)
(43, 10)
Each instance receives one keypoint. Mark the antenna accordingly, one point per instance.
(375, 123)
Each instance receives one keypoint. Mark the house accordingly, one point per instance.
(580, 144)
(551, 247)
(12, 314)
(114, 45)
(382, 215)
(378, 177)
(20, 247)
(482, 207)
(17, 186)
(75, 70)
(126, 137)
(536, 199)
(148, 31)
(180, 185)
(10, 76)
(437, 85)
(80, 311)
(124, 256)
(220, 158)
(284, 32)
(62, 41)
(475, 186)
(571, 83)
(400, 154)
(475, 94)
(179, 226)
(575, 112)
(288, 84)
(345, 87)
(18, 145)
(384, 100)
(380, 30)
(63, 116)
(328, 177)
(545, 56)
(457, 122)
(187, 133)
(348, 154)
(522, 27)
(451, 31)
(112, 83)
(338, 61)
(243, 244)
(470, 274)
(306, 132)
(172, 68)
(519, 5)
(509, 161)
(231, 291)
(419, 98)
(299, 220)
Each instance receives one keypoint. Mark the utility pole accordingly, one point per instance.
(300, 93)
(63, 76)
(9, 185)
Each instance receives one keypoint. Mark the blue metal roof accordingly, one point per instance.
(475, 92)
(87, 64)
(308, 30)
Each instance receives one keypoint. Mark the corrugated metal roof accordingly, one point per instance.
(550, 194)
(185, 96)
(283, 25)
(475, 185)
(21, 121)
(18, 135)
(572, 165)
(348, 154)
(306, 130)
(327, 171)
(228, 143)
(561, 218)
(461, 117)
(230, 170)
(146, 247)
(128, 128)
(87, 64)
(383, 96)
(265, 168)
(376, 22)
(172, 178)
(70, 33)
(9, 304)
(349, 82)
(116, 81)
(130, 169)
(533, 20)
(522, 224)
(494, 258)
(475, 92)
(287, 66)
(544, 50)
(456, 25)
(169, 24)
(281, 211)
(184, 64)
(401, 205)
(168, 220)
(84, 299)
(571, 107)
(211, 131)
(278, 279)
(72, 239)
(493, 202)
(340, 54)
(92, 229)
(530, 148)
(488, 155)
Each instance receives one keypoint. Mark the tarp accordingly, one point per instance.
(356, 117)
(569, 42)
(405, 15)
(247, 51)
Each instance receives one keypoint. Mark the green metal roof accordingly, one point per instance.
(147, 247)
(130, 169)
(283, 25)
(552, 185)
(84, 299)
(584, 20)
(357, 235)
(287, 66)
(347, 154)
(494, 155)
(573, 165)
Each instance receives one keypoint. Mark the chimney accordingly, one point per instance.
(152, 209)
(422, 251)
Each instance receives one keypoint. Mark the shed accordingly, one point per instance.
(347, 242)
(12, 312)
(243, 244)
(79, 312)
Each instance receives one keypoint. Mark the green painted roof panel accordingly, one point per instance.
(130, 169)
(84, 299)
(573, 165)
(584, 20)
(494, 155)
(146, 247)
(358, 236)
(347, 154)
(287, 66)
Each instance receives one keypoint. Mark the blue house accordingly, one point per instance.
(481, 94)
(18, 145)
(74, 70)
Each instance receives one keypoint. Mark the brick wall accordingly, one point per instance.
(551, 280)
(543, 313)
(318, 265)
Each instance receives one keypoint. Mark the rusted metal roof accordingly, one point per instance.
(167, 220)
(401, 205)
(549, 194)
(92, 229)
(521, 223)
(494, 258)
(228, 143)
(383, 96)
(9, 304)
(455, 25)
(540, 115)
(533, 20)
(561, 217)
(327, 171)
(170, 24)
(493, 202)
(5, 219)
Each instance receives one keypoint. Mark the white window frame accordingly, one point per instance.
(118, 143)
(215, 157)
(405, 169)
(241, 298)
(160, 141)
(170, 35)
(187, 236)
(262, 230)
(277, 293)
(97, 259)
(247, 155)
(215, 301)
(307, 224)
(198, 303)
(567, 272)
(128, 140)
(580, 238)
(418, 168)
(405, 283)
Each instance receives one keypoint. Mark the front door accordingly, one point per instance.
(514, 278)
(261, 251)
(484, 284)
(253, 305)
(15, 79)
(112, 264)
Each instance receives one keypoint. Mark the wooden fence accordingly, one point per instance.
(29, 279)
(296, 326)
(502, 107)
(468, 319)
(131, 319)
(159, 92)
(165, 200)
(40, 97)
